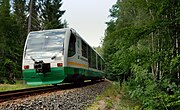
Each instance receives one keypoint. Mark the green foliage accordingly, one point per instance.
(141, 49)
(35, 18)
(151, 93)
(8, 35)
(99, 50)
(51, 14)
(19, 85)
(13, 32)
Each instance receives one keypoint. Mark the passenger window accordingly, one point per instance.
(72, 45)
(99, 62)
(93, 58)
(89, 56)
(84, 49)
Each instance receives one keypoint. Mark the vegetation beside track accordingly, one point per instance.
(141, 51)
(8, 87)
(17, 86)
(113, 98)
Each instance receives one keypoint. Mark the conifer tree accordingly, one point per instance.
(51, 14)
(34, 11)
(20, 16)
(8, 42)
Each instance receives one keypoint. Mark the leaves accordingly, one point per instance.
(142, 44)
(51, 14)
(13, 31)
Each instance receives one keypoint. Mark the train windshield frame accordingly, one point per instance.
(44, 44)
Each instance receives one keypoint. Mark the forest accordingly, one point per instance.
(17, 19)
(142, 51)
(141, 46)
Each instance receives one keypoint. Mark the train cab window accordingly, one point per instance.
(84, 49)
(72, 45)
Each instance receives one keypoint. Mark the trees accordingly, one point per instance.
(143, 26)
(34, 21)
(45, 14)
(14, 29)
(8, 36)
(19, 14)
(142, 44)
(51, 14)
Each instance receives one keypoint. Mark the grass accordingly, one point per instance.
(19, 85)
(113, 99)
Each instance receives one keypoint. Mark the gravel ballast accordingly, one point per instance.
(73, 99)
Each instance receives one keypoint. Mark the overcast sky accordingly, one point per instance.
(88, 18)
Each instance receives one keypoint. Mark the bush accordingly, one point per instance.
(11, 82)
(151, 93)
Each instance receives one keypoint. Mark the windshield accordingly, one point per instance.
(44, 44)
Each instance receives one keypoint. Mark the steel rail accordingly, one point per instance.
(15, 94)
(8, 95)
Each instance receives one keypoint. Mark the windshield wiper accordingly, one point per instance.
(32, 58)
(54, 57)
(61, 50)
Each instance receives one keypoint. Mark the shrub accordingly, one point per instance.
(152, 94)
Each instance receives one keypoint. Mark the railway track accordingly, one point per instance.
(16, 94)
(11, 95)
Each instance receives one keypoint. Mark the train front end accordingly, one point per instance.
(43, 57)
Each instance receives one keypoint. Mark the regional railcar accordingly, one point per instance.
(59, 55)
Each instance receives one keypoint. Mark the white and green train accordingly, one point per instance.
(59, 55)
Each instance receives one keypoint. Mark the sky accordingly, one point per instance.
(88, 18)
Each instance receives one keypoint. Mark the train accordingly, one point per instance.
(59, 55)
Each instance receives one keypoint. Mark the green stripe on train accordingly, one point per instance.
(83, 72)
(57, 75)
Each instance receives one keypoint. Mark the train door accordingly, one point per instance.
(72, 46)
